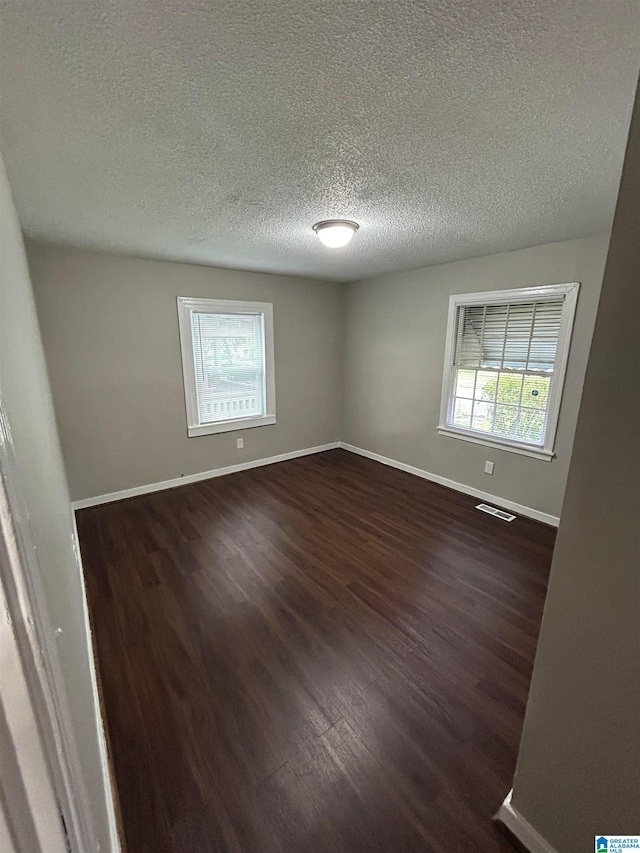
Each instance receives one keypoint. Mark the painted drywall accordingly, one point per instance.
(27, 406)
(394, 357)
(578, 772)
(110, 331)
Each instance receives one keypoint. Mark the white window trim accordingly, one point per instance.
(499, 297)
(186, 306)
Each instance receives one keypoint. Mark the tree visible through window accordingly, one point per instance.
(505, 404)
(505, 365)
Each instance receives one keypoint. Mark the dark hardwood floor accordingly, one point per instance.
(320, 655)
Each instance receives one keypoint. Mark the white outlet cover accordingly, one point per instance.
(240, 443)
(488, 467)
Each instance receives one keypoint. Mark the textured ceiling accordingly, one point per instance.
(219, 132)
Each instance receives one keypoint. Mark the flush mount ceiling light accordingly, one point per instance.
(335, 233)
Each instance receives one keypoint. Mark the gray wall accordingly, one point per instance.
(26, 400)
(578, 771)
(110, 332)
(394, 358)
(367, 371)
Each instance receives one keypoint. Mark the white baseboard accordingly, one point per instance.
(195, 478)
(518, 509)
(523, 831)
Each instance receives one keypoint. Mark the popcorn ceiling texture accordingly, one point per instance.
(219, 132)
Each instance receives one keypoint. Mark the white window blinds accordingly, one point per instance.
(518, 336)
(229, 363)
(503, 368)
(506, 358)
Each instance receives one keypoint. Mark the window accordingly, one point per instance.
(505, 362)
(227, 362)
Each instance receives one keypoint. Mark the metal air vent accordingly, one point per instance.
(492, 510)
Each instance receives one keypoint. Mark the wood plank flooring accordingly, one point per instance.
(320, 655)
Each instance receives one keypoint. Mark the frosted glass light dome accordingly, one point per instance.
(335, 233)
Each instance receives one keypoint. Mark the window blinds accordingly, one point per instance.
(519, 336)
(504, 360)
(229, 360)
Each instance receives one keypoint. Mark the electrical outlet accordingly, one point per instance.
(488, 467)
(240, 443)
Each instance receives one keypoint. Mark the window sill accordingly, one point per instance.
(230, 426)
(493, 441)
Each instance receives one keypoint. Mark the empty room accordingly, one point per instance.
(319, 463)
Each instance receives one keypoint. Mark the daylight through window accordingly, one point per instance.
(228, 364)
(506, 364)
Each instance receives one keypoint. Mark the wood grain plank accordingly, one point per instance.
(321, 655)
